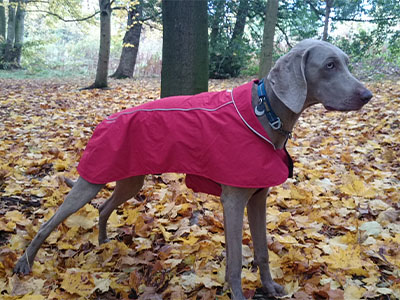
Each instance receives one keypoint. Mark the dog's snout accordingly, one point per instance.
(365, 95)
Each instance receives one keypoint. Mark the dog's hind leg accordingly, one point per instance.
(124, 190)
(81, 193)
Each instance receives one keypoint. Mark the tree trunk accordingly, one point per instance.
(130, 43)
(105, 41)
(19, 32)
(9, 48)
(233, 61)
(2, 22)
(241, 16)
(216, 57)
(185, 47)
(329, 4)
(215, 22)
(271, 16)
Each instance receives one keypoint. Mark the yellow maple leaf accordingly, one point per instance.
(114, 221)
(25, 286)
(171, 263)
(191, 240)
(248, 275)
(349, 260)
(102, 283)
(78, 282)
(356, 187)
(167, 235)
(13, 189)
(354, 292)
(61, 165)
(8, 227)
(39, 192)
(132, 215)
(84, 221)
(297, 193)
(143, 244)
(287, 239)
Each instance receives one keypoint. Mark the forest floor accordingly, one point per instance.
(334, 229)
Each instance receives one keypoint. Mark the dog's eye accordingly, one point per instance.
(330, 65)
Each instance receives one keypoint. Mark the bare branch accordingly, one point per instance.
(320, 13)
(365, 20)
(119, 8)
(150, 17)
(316, 10)
(61, 18)
(284, 35)
(37, 1)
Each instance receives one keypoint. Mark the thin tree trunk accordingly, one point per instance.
(105, 42)
(271, 16)
(215, 59)
(131, 41)
(219, 12)
(329, 4)
(2, 22)
(233, 64)
(241, 16)
(9, 48)
(185, 47)
(19, 32)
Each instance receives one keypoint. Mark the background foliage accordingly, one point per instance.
(368, 30)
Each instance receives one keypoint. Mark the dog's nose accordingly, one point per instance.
(365, 95)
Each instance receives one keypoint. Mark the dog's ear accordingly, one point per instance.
(288, 80)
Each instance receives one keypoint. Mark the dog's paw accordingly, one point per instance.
(104, 240)
(22, 267)
(270, 290)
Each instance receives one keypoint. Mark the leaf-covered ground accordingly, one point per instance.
(334, 230)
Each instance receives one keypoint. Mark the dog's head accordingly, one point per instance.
(317, 72)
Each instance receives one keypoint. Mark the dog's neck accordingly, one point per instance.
(287, 117)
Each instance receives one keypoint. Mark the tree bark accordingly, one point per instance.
(19, 32)
(241, 16)
(131, 41)
(233, 61)
(215, 23)
(9, 48)
(329, 4)
(2, 22)
(185, 47)
(271, 16)
(105, 42)
(227, 55)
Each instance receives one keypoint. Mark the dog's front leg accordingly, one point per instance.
(256, 212)
(234, 201)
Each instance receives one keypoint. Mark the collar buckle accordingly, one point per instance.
(264, 108)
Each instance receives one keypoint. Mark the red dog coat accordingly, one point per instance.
(215, 138)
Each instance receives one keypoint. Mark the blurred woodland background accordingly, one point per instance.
(61, 38)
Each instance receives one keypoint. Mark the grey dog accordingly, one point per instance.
(312, 72)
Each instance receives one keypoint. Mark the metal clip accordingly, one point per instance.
(259, 110)
(277, 124)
